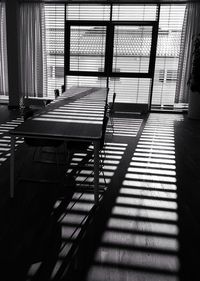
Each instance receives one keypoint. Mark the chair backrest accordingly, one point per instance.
(27, 112)
(114, 97)
(57, 93)
(63, 88)
(113, 103)
(42, 142)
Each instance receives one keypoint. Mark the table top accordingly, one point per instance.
(77, 114)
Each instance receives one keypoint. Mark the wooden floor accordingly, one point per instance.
(146, 227)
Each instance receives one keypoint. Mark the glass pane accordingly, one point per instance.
(54, 45)
(130, 90)
(167, 56)
(132, 48)
(88, 12)
(135, 12)
(90, 81)
(87, 48)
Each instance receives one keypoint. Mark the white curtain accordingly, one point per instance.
(190, 31)
(32, 50)
(3, 53)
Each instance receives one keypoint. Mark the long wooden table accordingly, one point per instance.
(77, 115)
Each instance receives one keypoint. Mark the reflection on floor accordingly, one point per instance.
(146, 226)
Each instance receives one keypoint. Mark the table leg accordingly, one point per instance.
(96, 171)
(12, 167)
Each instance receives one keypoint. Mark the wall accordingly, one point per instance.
(12, 10)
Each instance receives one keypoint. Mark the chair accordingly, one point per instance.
(62, 88)
(56, 93)
(39, 144)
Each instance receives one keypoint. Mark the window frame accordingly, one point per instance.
(152, 56)
(109, 46)
(68, 25)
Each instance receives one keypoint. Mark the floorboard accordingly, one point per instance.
(146, 226)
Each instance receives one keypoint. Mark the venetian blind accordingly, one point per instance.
(167, 56)
(131, 52)
(54, 29)
(87, 44)
(131, 48)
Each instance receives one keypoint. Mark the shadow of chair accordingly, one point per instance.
(86, 147)
(111, 109)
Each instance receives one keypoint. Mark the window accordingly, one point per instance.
(56, 72)
(167, 54)
(171, 76)
(132, 48)
(54, 29)
(120, 44)
(86, 51)
(167, 76)
(98, 46)
(111, 78)
(161, 75)
(135, 12)
(87, 12)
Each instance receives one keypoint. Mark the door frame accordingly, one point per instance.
(109, 45)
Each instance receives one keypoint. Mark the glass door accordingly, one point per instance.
(166, 91)
(123, 52)
(133, 60)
